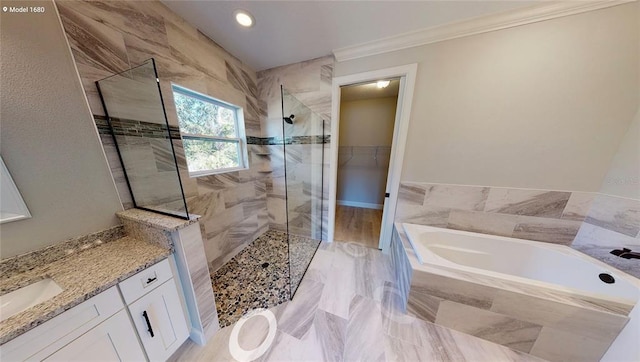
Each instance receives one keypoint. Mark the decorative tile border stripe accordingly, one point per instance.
(294, 140)
(134, 128)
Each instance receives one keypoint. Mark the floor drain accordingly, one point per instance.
(264, 265)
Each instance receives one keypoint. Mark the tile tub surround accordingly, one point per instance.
(541, 215)
(108, 37)
(612, 223)
(593, 223)
(515, 315)
(81, 275)
(346, 310)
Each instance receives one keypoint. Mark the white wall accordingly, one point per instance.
(49, 141)
(367, 122)
(542, 106)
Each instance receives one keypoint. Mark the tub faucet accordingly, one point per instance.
(626, 253)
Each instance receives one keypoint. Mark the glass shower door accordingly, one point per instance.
(135, 111)
(303, 143)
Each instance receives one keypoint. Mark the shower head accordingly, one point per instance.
(289, 119)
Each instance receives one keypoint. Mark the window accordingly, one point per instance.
(212, 133)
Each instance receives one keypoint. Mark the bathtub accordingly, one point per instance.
(544, 299)
(540, 264)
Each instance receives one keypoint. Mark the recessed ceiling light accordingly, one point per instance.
(382, 83)
(244, 18)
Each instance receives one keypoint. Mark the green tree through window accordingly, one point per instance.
(211, 134)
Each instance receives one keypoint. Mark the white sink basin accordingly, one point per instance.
(26, 297)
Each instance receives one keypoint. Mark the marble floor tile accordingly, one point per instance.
(331, 332)
(370, 329)
(339, 288)
(300, 313)
(363, 331)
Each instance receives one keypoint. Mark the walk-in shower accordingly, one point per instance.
(268, 270)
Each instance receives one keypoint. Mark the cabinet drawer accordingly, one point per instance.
(49, 337)
(147, 280)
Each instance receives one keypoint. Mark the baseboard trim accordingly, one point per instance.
(364, 205)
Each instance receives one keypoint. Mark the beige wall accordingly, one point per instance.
(623, 178)
(541, 106)
(362, 172)
(49, 141)
(367, 122)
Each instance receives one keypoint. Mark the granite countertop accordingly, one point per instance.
(81, 275)
(164, 222)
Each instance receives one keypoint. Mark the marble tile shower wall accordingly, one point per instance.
(591, 222)
(108, 37)
(309, 82)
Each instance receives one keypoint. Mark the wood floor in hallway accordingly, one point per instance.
(358, 225)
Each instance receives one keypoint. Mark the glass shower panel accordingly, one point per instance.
(303, 136)
(135, 110)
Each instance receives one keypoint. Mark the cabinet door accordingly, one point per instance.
(160, 321)
(112, 340)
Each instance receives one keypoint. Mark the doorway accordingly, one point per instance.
(367, 119)
(354, 207)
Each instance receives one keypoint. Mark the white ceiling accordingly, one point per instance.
(292, 31)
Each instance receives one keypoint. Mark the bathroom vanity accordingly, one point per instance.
(111, 294)
(142, 314)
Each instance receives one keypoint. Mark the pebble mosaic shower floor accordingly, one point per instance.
(258, 277)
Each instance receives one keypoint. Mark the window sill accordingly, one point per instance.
(216, 172)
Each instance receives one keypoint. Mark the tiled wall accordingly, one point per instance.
(597, 223)
(612, 223)
(108, 37)
(310, 83)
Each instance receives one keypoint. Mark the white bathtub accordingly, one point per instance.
(544, 265)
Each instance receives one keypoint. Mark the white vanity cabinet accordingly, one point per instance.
(112, 340)
(156, 310)
(101, 328)
(94, 325)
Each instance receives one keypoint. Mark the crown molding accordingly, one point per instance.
(479, 25)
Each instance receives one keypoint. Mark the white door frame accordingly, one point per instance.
(407, 74)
